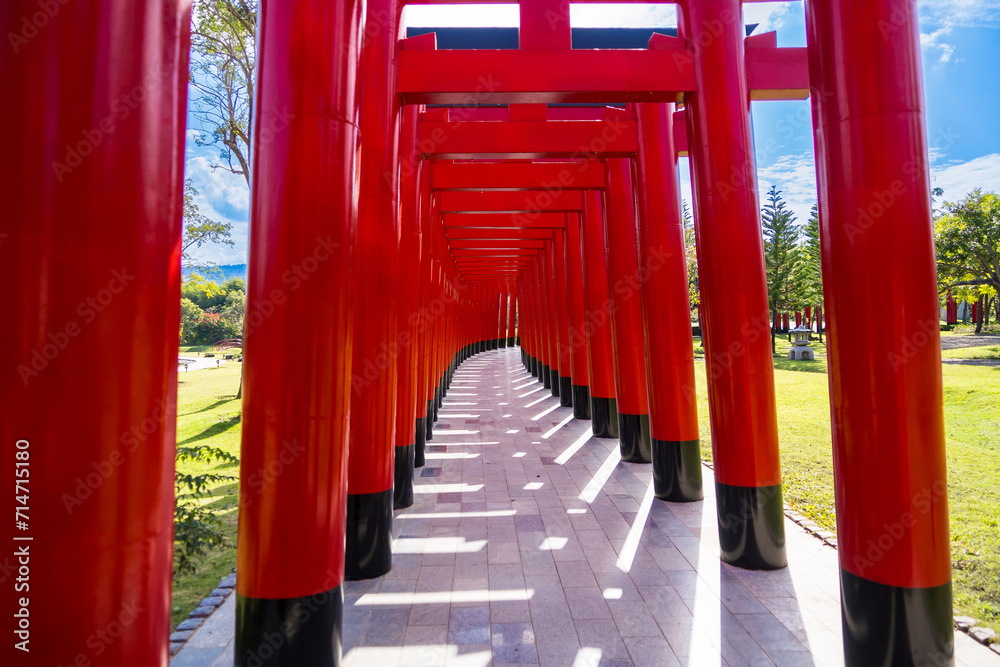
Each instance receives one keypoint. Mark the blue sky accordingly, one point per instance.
(961, 55)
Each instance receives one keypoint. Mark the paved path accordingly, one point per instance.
(954, 342)
(530, 542)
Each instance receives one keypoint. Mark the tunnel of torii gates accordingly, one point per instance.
(411, 200)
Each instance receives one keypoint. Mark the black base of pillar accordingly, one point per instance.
(604, 417)
(402, 487)
(677, 470)
(566, 392)
(581, 401)
(420, 442)
(438, 396)
(546, 377)
(634, 438)
(751, 526)
(369, 535)
(533, 366)
(889, 625)
(510, 342)
(429, 421)
(288, 632)
(554, 382)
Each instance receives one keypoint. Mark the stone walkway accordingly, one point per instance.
(530, 542)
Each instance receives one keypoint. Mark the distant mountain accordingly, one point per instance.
(219, 273)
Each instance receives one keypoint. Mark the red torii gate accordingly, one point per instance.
(111, 199)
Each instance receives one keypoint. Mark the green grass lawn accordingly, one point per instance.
(972, 419)
(209, 414)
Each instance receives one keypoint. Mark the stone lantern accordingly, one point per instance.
(800, 344)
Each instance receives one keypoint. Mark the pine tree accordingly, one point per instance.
(809, 268)
(692, 255)
(780, 244)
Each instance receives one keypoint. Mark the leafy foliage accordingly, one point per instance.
(692, 255)
(967, 243)
(197, 529)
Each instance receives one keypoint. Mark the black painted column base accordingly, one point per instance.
(288, 632)
(581, 401)
(634, 438)
(419, 442)
(439, 396)
(546, 377)
(429, 421)
(565, 391)
(511, 342)
(677, 470)
(368, 553)
(402, 486)
(554, 382)
(891, 625)
(604, 417)
(751, 526)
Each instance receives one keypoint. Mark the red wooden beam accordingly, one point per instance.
(497, 234)
(510, 201)
(531, 139)
(773, 73)
(479, 243)
(506, 220)
(577, 175)
(485, 76)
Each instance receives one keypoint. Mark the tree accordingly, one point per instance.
(223, 48)
(780, 240)
(200, 229)
(809, 268)
(692, 256)
(967, 242)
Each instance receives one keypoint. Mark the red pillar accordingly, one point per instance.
(550, 369)
(558, 262)
(597, 329)
(626, 313)
(511, 321)
(951, 309)
(885, 382)
(91, 245)
(573, 261)
(502, 321)
(784, 318)
(371, 464)
(666, 311)
(733, 286)
(291, 532)
(798, 319)
(404, 345)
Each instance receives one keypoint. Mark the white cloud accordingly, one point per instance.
(957, 179)
(933, 41)
(960, 13)
(770, 15)
(225, 197)
(795, 176)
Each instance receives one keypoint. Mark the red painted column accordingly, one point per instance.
(93, 137)
(666, 311)
(626, 313)
(550, 368)
(890, 470)
(434, 307)
(736, 322)
(371, 464)
(541, 370)
(502, 321)
(597, 310)
(422, 313)
(798, 319)
(573, 261)
(291, 531)
(404, 344)
(560, 297)
(511, 321)
(785, 321)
